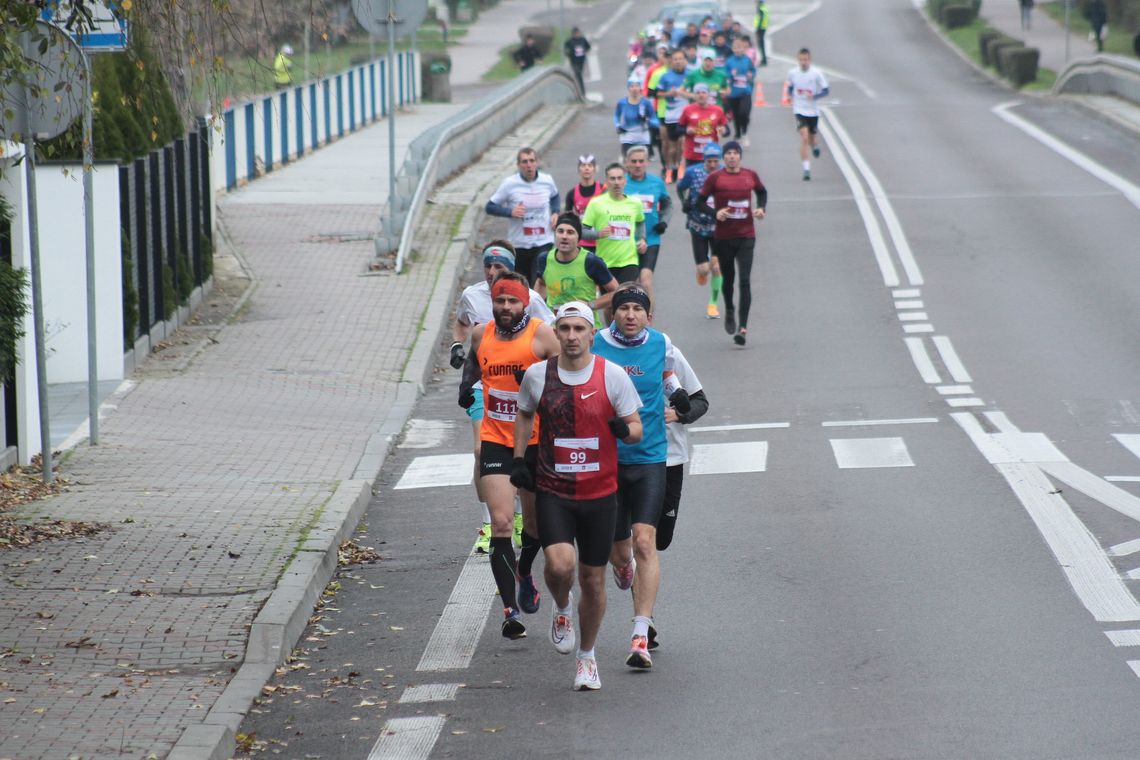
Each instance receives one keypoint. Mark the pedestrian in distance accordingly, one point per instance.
(634, 117)
(806, 85)
(587, 404)
(760, 24)
(475, 308)
(530, 200)
(701, 222)
(1097, 14)
(500, 353)
(731, 190)
(527, 54)
(579, 196)
(283, 67)
(575, 49)
(1026, 14)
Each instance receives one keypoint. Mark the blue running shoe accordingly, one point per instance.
(529, 598)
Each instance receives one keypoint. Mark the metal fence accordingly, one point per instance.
(165, 208)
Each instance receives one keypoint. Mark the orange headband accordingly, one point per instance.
(511, 287)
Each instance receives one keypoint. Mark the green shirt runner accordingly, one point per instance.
(619, 248)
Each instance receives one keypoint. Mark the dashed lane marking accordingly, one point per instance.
(1127, 638)
(866, 453)
(726, 458)
(452, 643)
(436, 471)
(407, 738)
(430, 692)
(867, 423)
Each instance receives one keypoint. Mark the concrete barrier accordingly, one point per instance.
(1101, 75)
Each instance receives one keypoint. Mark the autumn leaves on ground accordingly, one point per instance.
(21, 485)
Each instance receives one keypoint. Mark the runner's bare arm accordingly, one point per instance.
(524, 426)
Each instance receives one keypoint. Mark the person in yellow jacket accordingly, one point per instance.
(282, 67)
(760, 23)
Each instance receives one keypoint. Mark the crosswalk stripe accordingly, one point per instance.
(407, 738)
(430, 692)
(864, 453)
(438, 470)
(1128, 638)
(725, 458)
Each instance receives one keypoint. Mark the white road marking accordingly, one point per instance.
(1133, 574)
(430, 692)
(437, 471)
(1096, 488)
(894, 227)
(1000, 421)
(452, 643)
(726, 458)
(1127, 638)
(906, 293)
(912, 304)
(619, 13)
(963, 402)
(789, 20)
(594, 65)
(1122, 478)
(427, 434)
(870, 221)
(921, 359)
(867, 423)
(955, 390)
(950, 358)
(407, 738)
(924, 328)
(913, 316)
(1135, 665)
(1130, 441)
(865, 453)
(747, 426)
(1130, 191)
(1125, 549)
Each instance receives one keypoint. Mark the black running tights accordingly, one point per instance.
(730, 254)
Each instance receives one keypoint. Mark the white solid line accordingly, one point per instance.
(906, 293)
(815, 6)
(1135, 665)
(727, 458)
(1122, 478)
(437, 471)
(407, 738)
(1133, 574)
(748, 426)
(955, 390)
(894, 227)
(1090, 572)
(594, 66)
(965, 402)
(1126, 638)
(913, 316)
(950, 358)
(457, 632)
(926, 328)
(430, 692)
(867, 453)
(870, 423)
(1009, 448)
(921, 359)
(1130, 441)
(619, 13)
(1130, 191)
(1000, 421)
(912, 304)
(1096, 488)
(870, 221)
(1125, 549)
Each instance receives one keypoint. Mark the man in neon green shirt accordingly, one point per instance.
(708, 74)
(617, 222)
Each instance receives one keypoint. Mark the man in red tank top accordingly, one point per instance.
(586, 403)
(500, 351)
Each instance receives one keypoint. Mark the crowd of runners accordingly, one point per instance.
(578, 404)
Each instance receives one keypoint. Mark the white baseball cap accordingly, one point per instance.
(575, 309)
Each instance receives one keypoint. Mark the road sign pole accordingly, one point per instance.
(38, 305)
(391, 112)
(1068, 27)
(89, 222)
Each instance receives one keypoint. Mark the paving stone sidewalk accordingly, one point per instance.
(1044, 33)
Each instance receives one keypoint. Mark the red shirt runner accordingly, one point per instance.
(737, 193)
(707, 121)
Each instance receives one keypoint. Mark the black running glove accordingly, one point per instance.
(521, 476)
(680, 401)
(619, 428)
(457, 355)
(466, 395)
(660, 227)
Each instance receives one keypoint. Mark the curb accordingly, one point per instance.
(285, 614)
(1105, 117)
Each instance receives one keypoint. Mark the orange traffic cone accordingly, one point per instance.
(760, 95)
(785, 98)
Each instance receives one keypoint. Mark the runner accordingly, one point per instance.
(707, 74)
(700, 222)
(530, 200)
(617, 222)
(573, 273)
(575, 49)
(511, 344)
(704, 122)
(634, 117)
(585, 403)
(656, 204)
(579, 196)
(670, 89)
(734, 238)
(807, 84)
(647, 355)
(652, 75)
(741, 75)
(474, 308)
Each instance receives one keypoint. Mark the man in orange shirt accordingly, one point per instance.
(500, 353)
(704, 123)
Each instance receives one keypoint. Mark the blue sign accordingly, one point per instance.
(107, 32)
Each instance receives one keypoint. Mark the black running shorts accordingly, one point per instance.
(648, 259)
(589, 523)
(811, 122)
(628, 273)
(675, 131)
(641, 496)
(496, 459)
(702, 248)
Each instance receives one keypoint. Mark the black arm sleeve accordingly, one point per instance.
(762, 196)
(698, 405)
(471, 371)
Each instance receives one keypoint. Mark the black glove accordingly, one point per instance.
(521, 476)
(660, 227)
(457, 355)
(466, 395)
(680, 401)
(519, 375)
(620, 130)
(619, 428)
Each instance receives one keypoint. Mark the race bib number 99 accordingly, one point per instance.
(576, 455)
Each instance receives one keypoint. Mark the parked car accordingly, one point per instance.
(690, 12)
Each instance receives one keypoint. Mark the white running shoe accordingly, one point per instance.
(623, 578)
(562, 634)
(586, 678)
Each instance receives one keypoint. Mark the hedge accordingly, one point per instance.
(1018, 64)
(13, 306)
(955, 16)
(985, 37)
